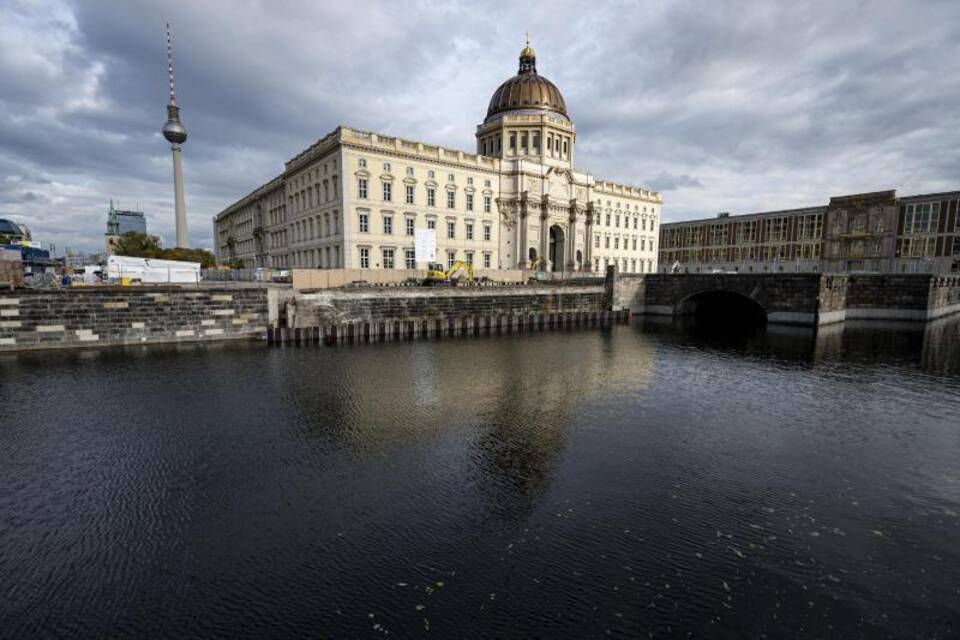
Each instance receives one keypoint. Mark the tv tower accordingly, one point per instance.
(176, 135)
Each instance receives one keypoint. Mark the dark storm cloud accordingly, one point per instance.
(669, 182)
(735, 106)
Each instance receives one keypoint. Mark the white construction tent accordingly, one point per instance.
(150, 270)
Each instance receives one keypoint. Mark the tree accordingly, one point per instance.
(139, 245)
(205, 258)
(4, 239)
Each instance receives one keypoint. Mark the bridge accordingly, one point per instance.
(808, 299)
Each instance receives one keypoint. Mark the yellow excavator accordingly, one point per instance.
(436, 275)
(539, 266)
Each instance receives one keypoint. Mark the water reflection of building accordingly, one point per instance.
(941, 346)
(933, 346)
(495, 413)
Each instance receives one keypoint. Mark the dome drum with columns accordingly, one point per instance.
(527, 117)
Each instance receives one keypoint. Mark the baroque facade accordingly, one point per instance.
(868, 232)
(354, 199)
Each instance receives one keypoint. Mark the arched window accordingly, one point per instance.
(533, 253)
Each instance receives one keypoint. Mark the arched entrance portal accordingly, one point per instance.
(556, 248)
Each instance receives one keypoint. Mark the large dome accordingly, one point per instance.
(527, 90)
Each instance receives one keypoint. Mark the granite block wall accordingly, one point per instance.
(128, 315)
(341, 306)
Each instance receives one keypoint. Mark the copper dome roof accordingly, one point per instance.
(527, 90)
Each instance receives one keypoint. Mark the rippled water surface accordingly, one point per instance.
(584, 484)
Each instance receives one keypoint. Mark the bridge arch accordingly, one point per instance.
(722, 309)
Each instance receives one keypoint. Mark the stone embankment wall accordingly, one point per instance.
(902, 297)
(342, 306)
(128, 315)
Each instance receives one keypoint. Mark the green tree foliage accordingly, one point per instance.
(205, 258)
(4, 239)
(139, 245)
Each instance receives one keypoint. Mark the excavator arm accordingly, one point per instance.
(457, 266)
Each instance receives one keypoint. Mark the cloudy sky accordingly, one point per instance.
(722, 106)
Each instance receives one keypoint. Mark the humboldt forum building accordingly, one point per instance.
(355, 199)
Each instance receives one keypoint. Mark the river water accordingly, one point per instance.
(627, 482)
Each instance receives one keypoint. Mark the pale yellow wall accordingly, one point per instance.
(409, 168)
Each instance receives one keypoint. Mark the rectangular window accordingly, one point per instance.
(616, 243)
(410, 259)
(486, 204)
(634, 244)
(469, 231)
(486, 232)
(388, 258)
(776, 230)
(364, 223)
(747, 232)
(608, 219)
(388, 225)
(811, 226)
(536, 142)
(486, 261)
(469, 202)
(431, 197)
(410, 226)
(431, 224)
(364, 258)
(387, 191)
(451, 258)
(451, 230)
(596, 242)
(606, 242)
(523, 142)
(922, 218)
(617, 222)
(409, 191)
(451, 199)
(718, 234)
(513, 141)
(362, 188)
(469, 255)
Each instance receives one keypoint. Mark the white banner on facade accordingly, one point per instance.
(425, 245)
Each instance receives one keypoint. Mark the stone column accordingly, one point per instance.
(588, 239)
(572, 238)
(522, 222)
(545, 230)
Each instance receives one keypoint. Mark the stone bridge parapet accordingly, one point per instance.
(809, 299)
